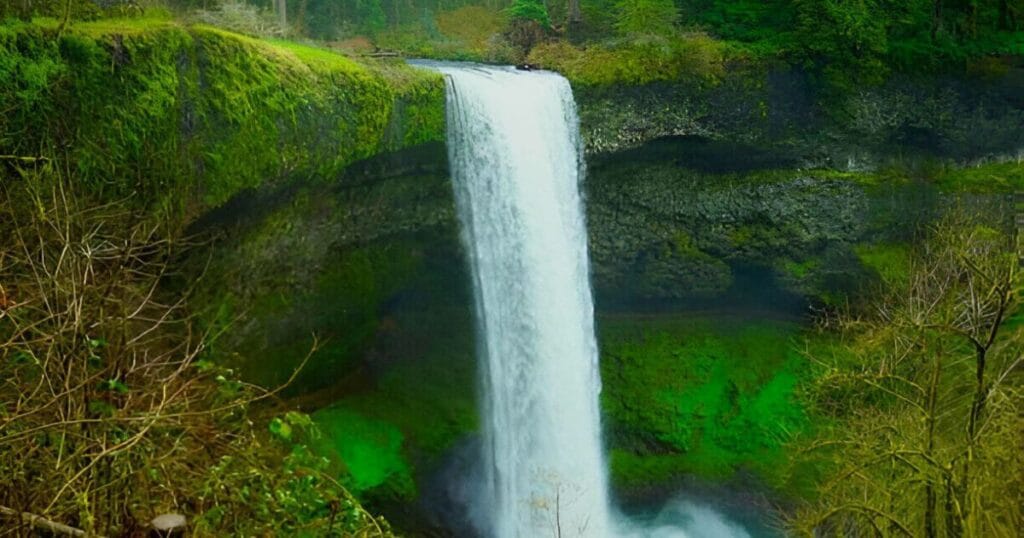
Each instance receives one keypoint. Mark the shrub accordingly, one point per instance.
(637, 61)
(529, 10)
(646, 17)
(111, 408)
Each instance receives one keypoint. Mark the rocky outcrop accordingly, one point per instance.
(781, 110)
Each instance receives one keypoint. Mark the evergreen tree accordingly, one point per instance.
(530, 10)
(650, 17)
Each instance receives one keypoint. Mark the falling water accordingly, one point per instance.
(516, 165)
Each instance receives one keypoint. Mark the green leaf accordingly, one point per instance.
(101, 408)
(115, 385)
(281, 429)
(23, 357)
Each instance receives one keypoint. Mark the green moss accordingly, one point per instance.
(169, 113)
(705, 396)
(631, 470)
(430, 396)
(891, 261)
(801, 270)
(1005, 177)
(341, 306)
(742, 236)
(121, 26)
(370, 453)
(428, 401)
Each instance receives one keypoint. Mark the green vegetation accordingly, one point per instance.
(708, 396)
(1004, 178)
(132, 363)
(634, 62)
(426, 403)
(114, 409)
(371, 452)
(339, 305)
(890, 261)
(845, 43)
(152, 122)
(529, 10)
(646, 17)
(200, 111)
(922, 402)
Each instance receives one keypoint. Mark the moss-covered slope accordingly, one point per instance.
(155, 109)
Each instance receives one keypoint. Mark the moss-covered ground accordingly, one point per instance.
(705, 395)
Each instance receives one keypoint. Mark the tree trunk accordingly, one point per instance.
(1007, 20)
(575, 16)
(282, 13)
(936, 18)
(66, 18)
(300, 19)
(25, 10)
(954, 521)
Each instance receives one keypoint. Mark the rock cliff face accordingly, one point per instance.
(752, 194)
(779, 110)
(672, 218)
(678, 221)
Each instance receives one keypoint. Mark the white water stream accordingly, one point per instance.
(515, 161)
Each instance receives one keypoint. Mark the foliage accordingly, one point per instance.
(891, 262)
(639, 61)
(472, 33)
(846, 39)
(529, 10)
(845, 42)
(999, 177)
(474, 26)
(924, 398)
(646, 17)
(113, 409)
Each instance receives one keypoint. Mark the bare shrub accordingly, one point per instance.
(111, 412)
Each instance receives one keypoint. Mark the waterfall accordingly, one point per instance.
(516, 167)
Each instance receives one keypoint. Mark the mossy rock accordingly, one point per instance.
(181, 116)
(705, 396)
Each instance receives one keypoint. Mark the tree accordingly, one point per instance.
(926, 408)
(528, 24)
(281, 6)
(530, 10)
(846, 41)
(1008, 11)
(575, 15)
(646, 17)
